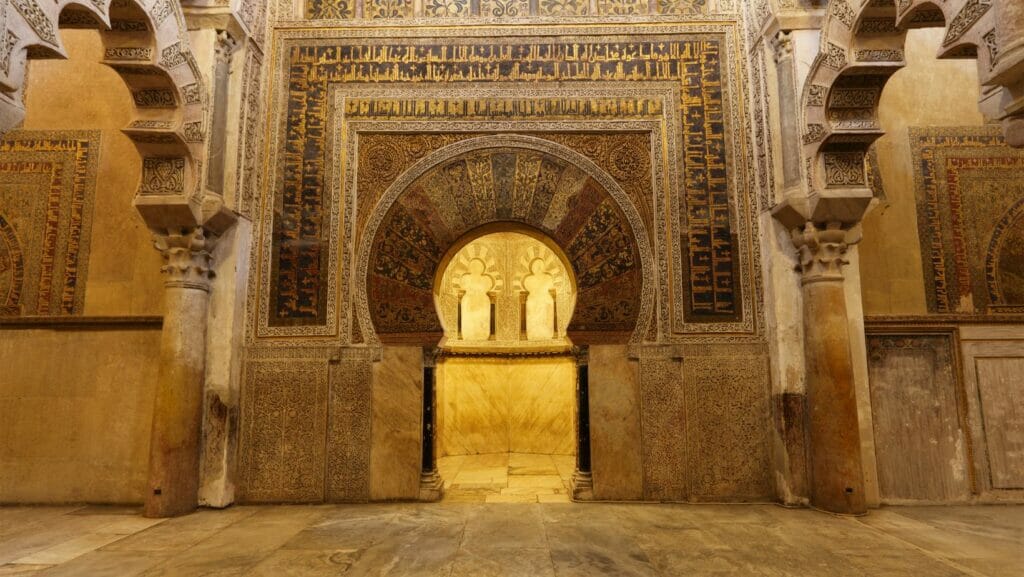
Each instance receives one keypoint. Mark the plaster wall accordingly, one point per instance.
(928, 92)
(77, 403)
(80, 93)
(77, 407)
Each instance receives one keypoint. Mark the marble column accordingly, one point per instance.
(582, 477)
(836, 471)
(788, 114)
(431, 485)
(178, 408)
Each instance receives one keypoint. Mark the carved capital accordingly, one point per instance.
(187, 258)
(782, 44)
(822, 250)
(224, 46)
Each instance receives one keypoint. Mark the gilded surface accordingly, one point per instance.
(706, 266)
(47, 187)
(970, 199)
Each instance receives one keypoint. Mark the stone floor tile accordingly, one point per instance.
(182, 532)
(500, 525)
(106, 564)
(453, 539)
(537, 481)
(554, 498)
(527, 498)
(306, 563)
(503, 563)
(21, 569)
(68, 550)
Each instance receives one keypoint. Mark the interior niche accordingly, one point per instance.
(505, 291)
(505, 379)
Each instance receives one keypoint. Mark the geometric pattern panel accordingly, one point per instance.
(727, 417)
(301, 244)
(970, 212)
(284, 428)
(47, 187)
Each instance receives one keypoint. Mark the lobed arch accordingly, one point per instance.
(376, 286)
(146, 43)
(861, 47)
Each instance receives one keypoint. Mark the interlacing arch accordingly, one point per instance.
(861, 48)
(146, 43)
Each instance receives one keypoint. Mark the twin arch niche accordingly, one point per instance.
(528, 181)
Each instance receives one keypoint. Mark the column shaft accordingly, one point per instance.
(178, 407)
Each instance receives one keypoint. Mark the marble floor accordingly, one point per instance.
(506, 478)
(532, 540)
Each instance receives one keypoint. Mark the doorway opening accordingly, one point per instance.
(505, 377)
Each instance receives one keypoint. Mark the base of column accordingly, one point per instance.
(431, 487)
(582, 486)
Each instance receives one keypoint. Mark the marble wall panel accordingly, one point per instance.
(396, 433)
(76, 410)
(498, 405)
(920, 444)
(615, 424)
(542, 411)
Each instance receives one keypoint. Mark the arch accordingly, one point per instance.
(598, 202)
(1007, 236)
(148, 46)
(861, 48)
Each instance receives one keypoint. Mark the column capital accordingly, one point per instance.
(225, 45)
(822, 250)
(782, 45)
(187, 258)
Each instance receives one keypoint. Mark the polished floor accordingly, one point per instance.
(506, 478)
(532, 540)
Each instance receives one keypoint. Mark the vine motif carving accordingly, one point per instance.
(37, 19)
(172, 56)
(880, 55)
(968, 16)
(161, 175)
(128, 53)
(154, 98)
(447, 8)
(816, 95)
(160, 11)
(844, 169)
(563, 7)
(842, 11)
(836, 57)
(376, 9)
